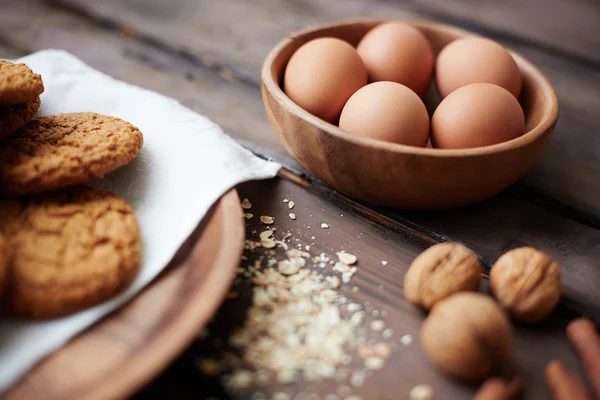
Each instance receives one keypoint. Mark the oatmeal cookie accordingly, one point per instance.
(57, 151)
(72, 249)
(18, 84)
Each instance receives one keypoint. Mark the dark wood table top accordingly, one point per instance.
(208, 53)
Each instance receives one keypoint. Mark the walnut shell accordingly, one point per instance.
(440, 271)
(526, 282)
(467, 335)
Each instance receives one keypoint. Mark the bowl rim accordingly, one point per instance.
(548, 119)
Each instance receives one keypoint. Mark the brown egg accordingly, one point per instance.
(476, 60)
(387, 111)
(480, 114)
(322, 75)
(397, 52)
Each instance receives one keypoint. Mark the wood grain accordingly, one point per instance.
(237, 107)
(31, 25)
(496, 226)
(8, 51)
(239, 34)
(132, 345)
(380, 285)
(207, 54)
(568, 27)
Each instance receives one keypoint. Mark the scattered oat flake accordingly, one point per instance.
(377, 325)
(241, 379)
(246, 205)
(285, 200)
(357, 379)
(374, 363)
(209, 367)
(262, 377)
(346, 258)
(291, 266)
(292, 216)
(265, 235)
(355, 289)
(281, 396)
(324, 226)
(268, 243)
(421, 392)
(365, 351)
(248, 215)
(382, 350)
(291, 204)
(265, 219)
(286, 376)
(344, 391)
(387, 333)
(333, 281)
(383, 262)
(406, 340)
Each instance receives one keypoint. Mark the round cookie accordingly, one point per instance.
(61, 150)
(13, 118)
(18, 84)
(72, 248)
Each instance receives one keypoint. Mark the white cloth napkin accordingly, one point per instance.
(186, 164)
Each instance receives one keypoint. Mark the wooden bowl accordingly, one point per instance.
(394, 175)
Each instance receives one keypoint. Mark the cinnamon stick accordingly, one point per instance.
(564, 385)
(583, 336)
(498, 389)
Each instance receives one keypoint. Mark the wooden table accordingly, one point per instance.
(208, 54)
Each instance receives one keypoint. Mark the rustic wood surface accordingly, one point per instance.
(236, 35)
(208, 55)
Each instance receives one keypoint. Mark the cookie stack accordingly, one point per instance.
(20, 91)
(63, 246)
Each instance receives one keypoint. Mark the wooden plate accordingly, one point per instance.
(118, 355)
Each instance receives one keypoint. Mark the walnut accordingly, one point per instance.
(526, 282)
(440, 271)
(467, 335)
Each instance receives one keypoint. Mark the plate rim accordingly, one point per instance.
(162, 347)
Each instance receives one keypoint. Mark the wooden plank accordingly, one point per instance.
(567, 27)
(237, 107)
(239, 34)
(235, 32)
(370, 242)
(9, 52)
(498, 225)
(32, 26)
(504, 223)
(115, 55)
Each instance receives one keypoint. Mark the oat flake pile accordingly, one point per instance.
(299, 327)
